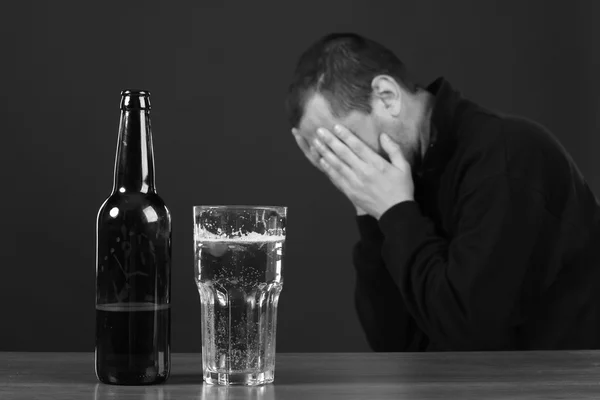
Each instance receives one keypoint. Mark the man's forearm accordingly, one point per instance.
(384, 318)
(387, 324)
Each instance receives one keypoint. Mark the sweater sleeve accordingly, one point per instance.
(464, 292)
(381, 311)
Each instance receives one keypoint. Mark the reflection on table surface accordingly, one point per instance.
(167, 392)
(315, 376)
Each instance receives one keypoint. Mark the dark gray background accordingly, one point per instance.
(218, 72)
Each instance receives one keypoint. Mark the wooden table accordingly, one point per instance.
(472, 375)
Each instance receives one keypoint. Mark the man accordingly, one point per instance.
(477, 230)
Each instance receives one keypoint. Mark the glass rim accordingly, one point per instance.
(281, 209)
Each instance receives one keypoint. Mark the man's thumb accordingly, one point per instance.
(393, 150)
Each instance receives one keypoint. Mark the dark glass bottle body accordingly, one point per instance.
(133, 260)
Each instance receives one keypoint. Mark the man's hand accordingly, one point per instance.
(313, 156)
(369, 181)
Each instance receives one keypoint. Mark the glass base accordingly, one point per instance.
(239, 378)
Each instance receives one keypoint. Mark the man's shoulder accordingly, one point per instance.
(494, 143)
(482, 129)
(489, 127)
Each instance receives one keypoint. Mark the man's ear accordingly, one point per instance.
(387, 95)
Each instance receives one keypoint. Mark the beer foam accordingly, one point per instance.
(251, 237)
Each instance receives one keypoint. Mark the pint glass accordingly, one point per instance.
(239, 273)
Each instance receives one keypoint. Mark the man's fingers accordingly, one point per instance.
(394, 152)
(321, 163)
(309, 151)
(333, 161)
(334, 176)
(358, 147)
(341, 150)
(303, 144)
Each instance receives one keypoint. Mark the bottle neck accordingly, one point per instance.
(134, 165)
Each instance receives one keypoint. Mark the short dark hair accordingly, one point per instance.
(341, 67)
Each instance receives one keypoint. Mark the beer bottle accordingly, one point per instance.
(133, 260)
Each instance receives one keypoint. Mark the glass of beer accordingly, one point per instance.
(238, 266)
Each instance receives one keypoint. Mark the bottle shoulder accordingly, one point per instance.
(149, 204)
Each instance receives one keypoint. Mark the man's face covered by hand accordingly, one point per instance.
(364, 164)
(317, 114)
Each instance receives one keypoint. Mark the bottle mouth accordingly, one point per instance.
(133, 99)
(135, 92)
